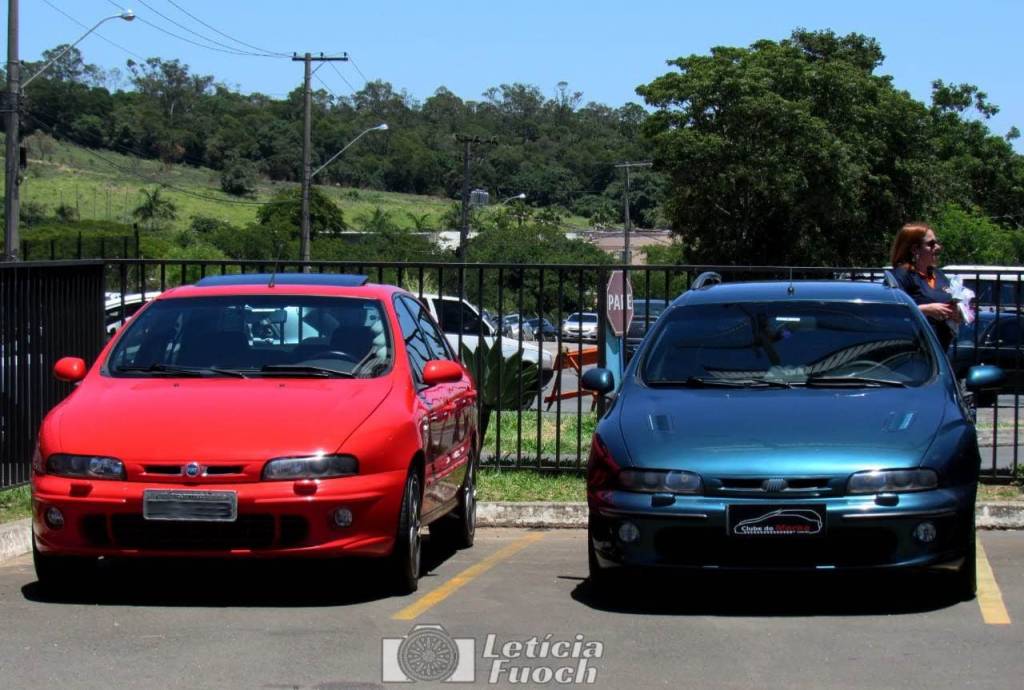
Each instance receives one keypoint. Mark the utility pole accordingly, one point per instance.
(467, 141)
(627, 256)
(307, 130)
(11, 107)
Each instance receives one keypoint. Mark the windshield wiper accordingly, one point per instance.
(699, 382)
(157, 368)
(825, 380)
(306, 369)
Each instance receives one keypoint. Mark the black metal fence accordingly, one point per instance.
(551, 430)
(46, 311)
(81, 246)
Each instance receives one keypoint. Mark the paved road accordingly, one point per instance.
(198, 625)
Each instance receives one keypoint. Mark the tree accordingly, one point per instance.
(284, 211)
(790, 152)
(155, 208)
(238, 177)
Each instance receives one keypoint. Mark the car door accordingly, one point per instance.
(454, 415)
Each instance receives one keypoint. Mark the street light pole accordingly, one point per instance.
(11, 171)
(381, 127)
(12, 123)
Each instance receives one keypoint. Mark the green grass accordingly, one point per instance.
(78, 177)
(103, 190)
(526, 485)
(570, 423)
(15, 503)
(1000, 492)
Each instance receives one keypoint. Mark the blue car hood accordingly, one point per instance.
(791, 432)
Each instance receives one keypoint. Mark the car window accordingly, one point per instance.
(788, 342)
(456, 316)
(255, 334)
(436, 344)
(590, 318)
(415, 343)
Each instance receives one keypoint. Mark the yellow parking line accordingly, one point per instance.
(438, 595)
(990, 599)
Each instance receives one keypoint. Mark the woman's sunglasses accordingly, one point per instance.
(931, 244)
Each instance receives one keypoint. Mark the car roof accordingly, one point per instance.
(334, 284)
(814, 290)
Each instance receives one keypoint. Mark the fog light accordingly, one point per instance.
(628, 533)
(925, 532)
(342, 517)
(54, 518)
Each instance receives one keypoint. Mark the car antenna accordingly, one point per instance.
(791, 289)
(273, 275)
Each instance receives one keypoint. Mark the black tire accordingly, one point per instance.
(404, 565)
(967, 575)
(458, 529)
(62, 573)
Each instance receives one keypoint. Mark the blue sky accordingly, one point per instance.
(602, 48)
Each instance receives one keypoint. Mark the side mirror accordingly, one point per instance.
(441, 371)
(70, 369)
(984, 376)
(598, 380)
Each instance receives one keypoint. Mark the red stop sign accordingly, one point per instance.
(620, 303)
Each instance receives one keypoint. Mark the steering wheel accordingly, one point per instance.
(333, 354)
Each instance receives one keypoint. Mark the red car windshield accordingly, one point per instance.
(256, 335)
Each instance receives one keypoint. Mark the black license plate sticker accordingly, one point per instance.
(776, 521)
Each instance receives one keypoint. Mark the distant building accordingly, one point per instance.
(614, 242)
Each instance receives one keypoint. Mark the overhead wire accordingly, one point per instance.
(218, 31)
(95, 33)
(365, 80)
(215, 44)
(338, 72)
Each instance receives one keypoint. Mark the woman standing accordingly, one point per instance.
(915, 253)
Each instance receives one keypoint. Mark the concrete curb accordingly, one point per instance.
(16, 537)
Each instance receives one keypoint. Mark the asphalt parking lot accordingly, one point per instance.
(307, 625)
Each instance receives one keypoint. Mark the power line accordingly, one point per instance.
(95, 33)
(365, 80)
(223, 46)
(196, 43)
(230, 38)
(338, 72)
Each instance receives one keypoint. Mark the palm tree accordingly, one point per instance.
(154, 208)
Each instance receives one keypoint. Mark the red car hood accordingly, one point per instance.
(211, 420)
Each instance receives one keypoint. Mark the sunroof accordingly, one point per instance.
(333, 279)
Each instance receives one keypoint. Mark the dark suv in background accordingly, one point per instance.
(645, 313)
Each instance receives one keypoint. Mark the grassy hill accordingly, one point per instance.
(105, 185)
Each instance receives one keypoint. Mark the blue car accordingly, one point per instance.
(792, 426)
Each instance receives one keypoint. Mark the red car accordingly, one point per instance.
(260, 415)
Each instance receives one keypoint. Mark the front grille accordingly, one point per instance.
(177, 470)
(94, 530)
(861, 546)
(247, 532)
(760, 486)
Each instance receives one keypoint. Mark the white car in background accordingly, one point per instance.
(113, 317)
(460, 320)
(581, 326)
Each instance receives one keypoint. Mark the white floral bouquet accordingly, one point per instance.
(962, 297)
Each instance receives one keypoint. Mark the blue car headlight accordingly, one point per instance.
(661, 481)
(85, 466)
(311, 467)
(892, 481)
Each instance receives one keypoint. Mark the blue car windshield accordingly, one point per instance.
(254, 336)
(791, 344)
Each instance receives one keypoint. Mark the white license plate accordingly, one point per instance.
(190, 506)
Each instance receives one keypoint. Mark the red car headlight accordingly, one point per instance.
(310, 467)
(84, 466)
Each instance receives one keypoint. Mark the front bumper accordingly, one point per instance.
(281, 518)
(859, 533)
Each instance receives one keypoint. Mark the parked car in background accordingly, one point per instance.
(542, 328)
(114, 317)
(190, 438)
(645, 314)
(581, 326)
(993, 338)
(992, 285)
(799, 426)
(461, 322)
